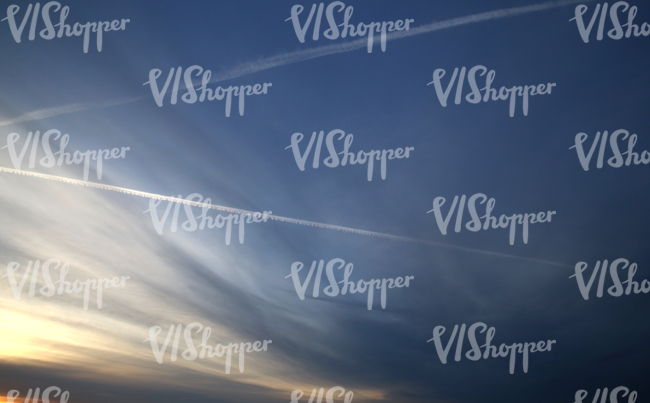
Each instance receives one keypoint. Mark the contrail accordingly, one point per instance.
(307, 54)
(273, 217)
(62, 110)
(302, 55)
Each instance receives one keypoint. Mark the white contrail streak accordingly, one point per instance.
(307, 54)
(302, 55)
(272, 217)
(285, 59)
(62, 110)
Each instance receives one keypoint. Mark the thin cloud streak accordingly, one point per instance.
(302, 55)
(272, 217)
(62, 110)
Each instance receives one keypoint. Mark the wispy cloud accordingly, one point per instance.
(302, 55)
(284, 59)
(272, 217)
(62, 110)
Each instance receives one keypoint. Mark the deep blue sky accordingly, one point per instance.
(524, 162)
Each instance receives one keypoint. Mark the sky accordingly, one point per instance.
(386, 228)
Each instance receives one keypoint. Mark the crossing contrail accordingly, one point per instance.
(273, 217)
(307, 54)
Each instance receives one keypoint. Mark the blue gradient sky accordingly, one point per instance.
(524, 162)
